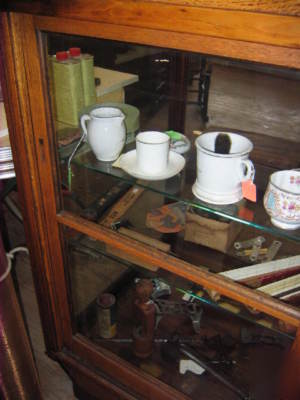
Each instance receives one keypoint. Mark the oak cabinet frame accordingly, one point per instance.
(246, 34)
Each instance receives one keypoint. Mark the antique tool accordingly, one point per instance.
(273, 250)
(168, 307)
(247, 252)
(122, 206)
(143, 333)
(256, 248)
(98, 207)
(160, 288)
(249, 243)
(188, 352)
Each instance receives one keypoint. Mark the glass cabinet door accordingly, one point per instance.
(165, 162)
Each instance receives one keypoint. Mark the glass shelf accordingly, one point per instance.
(95, 253)
(179, 188)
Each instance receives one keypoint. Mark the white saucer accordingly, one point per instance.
(127, 162)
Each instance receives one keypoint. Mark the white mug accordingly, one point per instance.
(220, 176)
(105, 130)
(152, 152)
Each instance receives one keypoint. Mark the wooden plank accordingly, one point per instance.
(281, 7)
(230, 24)
(279, 287)
(240, 274)
(281, 56)
(188, 271)
(284, 7)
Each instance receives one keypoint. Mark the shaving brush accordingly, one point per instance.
(222, 143)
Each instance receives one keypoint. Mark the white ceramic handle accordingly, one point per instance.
(250, 170)
(84, 118)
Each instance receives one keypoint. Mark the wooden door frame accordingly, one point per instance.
(29, 122)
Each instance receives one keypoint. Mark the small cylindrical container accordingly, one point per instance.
(107, 315)
(67, 87)
(87, 73)
(152, 152)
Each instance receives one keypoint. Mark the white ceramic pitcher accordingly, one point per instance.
(105, 131)
(220, 176)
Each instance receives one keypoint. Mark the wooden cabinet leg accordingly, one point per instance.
(290, 375)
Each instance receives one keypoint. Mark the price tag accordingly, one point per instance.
(249, 190)
(246, 214)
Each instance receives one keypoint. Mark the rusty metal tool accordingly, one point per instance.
(249, 243)
(273, 250)
(168, 307)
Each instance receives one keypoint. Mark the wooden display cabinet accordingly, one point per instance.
(75, 260)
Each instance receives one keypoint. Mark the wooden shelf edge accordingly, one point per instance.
(224, 47)
(201, 276)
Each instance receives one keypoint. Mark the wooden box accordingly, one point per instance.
(218, 235)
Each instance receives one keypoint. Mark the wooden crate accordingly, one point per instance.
(218, 235)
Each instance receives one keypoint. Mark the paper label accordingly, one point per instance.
(249, 190)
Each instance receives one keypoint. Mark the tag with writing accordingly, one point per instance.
(246, 214)
(249, 190)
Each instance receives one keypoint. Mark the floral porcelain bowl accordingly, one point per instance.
(282, 199)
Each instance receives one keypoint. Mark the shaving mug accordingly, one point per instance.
(152, 152)
(105, 131)
(282, 199)
(220, 176)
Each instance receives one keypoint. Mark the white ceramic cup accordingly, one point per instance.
(152, 152)
(219, 176)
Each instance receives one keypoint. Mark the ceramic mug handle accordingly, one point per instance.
(247, 170)
(84, 118)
